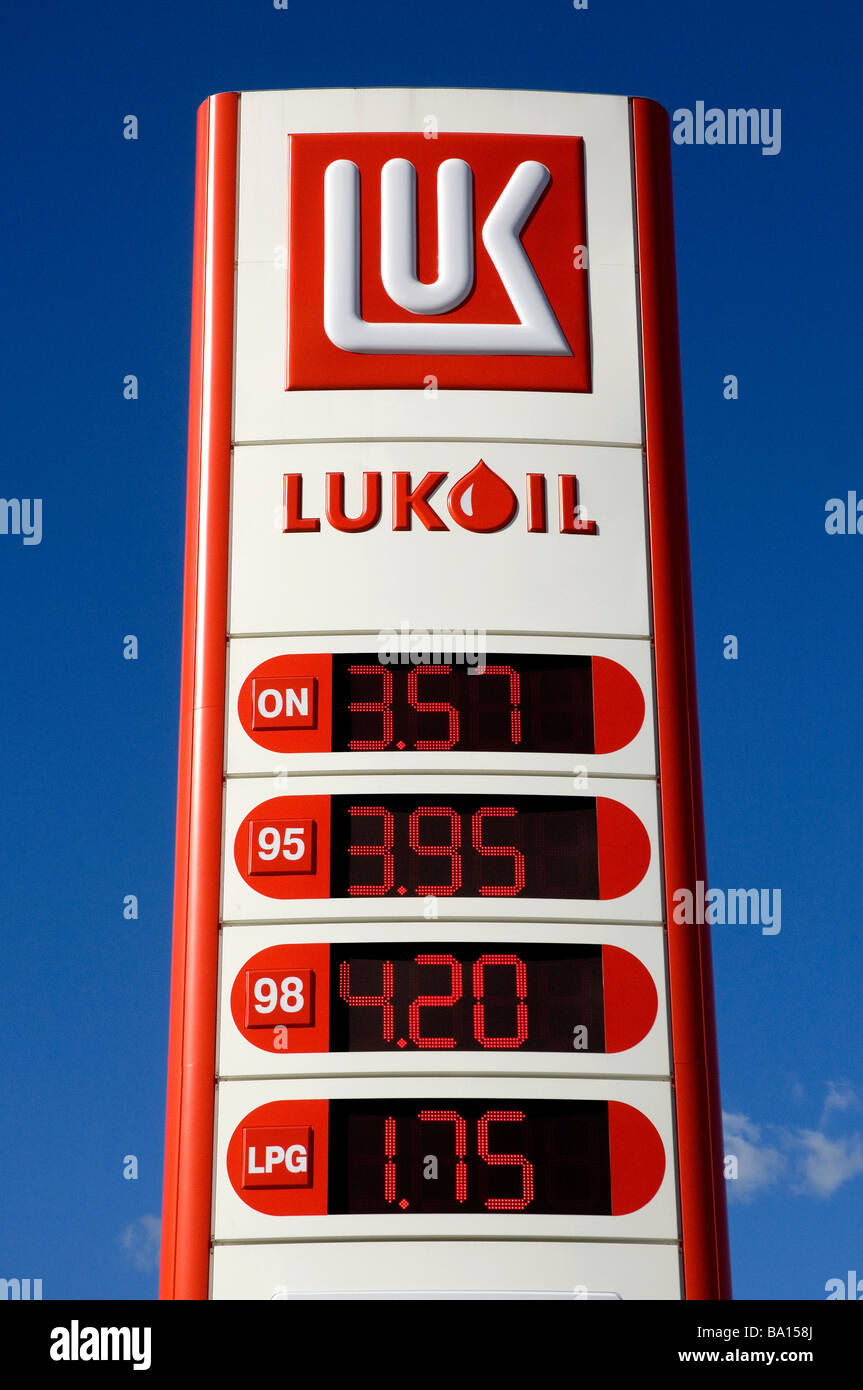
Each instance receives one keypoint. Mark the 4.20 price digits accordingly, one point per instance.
(385, 1000)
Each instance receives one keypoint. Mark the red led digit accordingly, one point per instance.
(389, 1159)
(479, 1005)
(382, 1001)
(460, 1146)
(452, 849)
(496, 1160)
(434, 1000)
(384, 706)
(514, 697)
(509, 890)
(433, 707)
(384, 850)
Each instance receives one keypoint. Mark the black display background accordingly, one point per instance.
(556, 834)
(555, 704)
(564, 988)
(565, 1141)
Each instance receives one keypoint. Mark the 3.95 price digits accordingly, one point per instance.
(436, 833)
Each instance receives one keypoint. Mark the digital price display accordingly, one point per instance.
(444, 1156)
(452, 996)
(430, 846)
(504, 702)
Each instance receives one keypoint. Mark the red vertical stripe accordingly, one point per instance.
(696, 1079)
(191, 1052)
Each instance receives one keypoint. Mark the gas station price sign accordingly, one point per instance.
(451, 996)
(475, 846)
(333, 503)
(508, 702)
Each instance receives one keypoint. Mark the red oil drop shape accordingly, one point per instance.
(492, 503)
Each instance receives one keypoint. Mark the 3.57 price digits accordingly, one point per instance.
(419, 716)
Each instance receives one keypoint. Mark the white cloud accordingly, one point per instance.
(741, 1125)
(759, 1165)
(804, 1161)
(822, 1165)
(841, 1096)
(140, 1242)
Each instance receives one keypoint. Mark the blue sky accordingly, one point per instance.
(96, 238)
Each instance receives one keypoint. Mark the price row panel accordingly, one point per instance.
(440, 702)
(405, 847)
(580, 1004)
(463, 1158)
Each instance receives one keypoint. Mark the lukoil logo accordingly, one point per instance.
(451, 256)
(481, 501)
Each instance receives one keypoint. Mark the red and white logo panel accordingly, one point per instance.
(575, 539)
(452, 257)
(452, 273)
